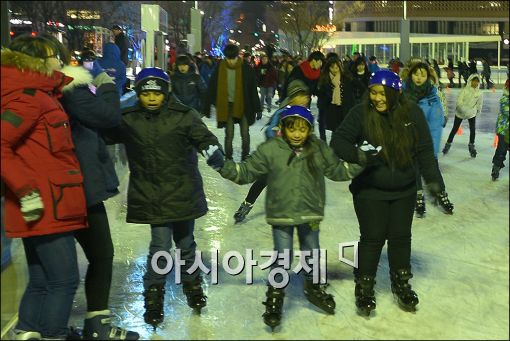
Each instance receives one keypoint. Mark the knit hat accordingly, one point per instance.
(295, 87)
(152, 79)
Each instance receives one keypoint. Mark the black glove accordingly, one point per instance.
(259, 115)
(368, 155)
(215, 157)
(434, 188)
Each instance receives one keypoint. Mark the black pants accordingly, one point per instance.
(500, 153)
(322, 124)
(96, 242)
(456, 125)
(229, 134)
(381, 220)
(255, 190)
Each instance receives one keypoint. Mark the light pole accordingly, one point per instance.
(405, 45)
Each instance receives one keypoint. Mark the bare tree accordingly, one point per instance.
(217, 22)
(297, 19)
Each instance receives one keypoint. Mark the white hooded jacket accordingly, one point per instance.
(469, 102)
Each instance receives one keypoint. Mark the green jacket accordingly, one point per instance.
(164, 183)
(295, 193)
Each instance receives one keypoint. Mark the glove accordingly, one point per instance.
(96, 69)
(259, 115)
(102, 78)
(368, 155)
(31, 206)
(215, 157)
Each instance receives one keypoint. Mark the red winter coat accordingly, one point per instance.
(37, 149)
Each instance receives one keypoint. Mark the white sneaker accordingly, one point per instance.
(17, 334)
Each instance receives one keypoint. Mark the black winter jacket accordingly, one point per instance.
(165, 184)
(383, 181)
(189, 88)
(89, 113)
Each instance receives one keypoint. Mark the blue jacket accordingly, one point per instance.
(113, 65)
(434, 114)
(88, 113)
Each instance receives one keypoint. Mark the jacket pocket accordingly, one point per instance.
(58, 132)
(67, 194)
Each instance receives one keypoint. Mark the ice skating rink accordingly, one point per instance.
(460, 262)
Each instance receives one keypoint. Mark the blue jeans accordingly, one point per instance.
(161, 240)
(283, 239)
(53, 280)
(266, 94)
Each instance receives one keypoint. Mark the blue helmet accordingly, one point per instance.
(298, 111)
(387, 78)
(152, 79)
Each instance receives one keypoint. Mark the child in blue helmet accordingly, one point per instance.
(162, 137)
(384, 193)
(295, 164)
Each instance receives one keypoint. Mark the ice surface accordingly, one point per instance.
(460, 262)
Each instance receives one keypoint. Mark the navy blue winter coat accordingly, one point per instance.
(88, 113)
(113, 65)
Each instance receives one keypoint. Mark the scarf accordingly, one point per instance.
(222, 95)
(336, 99)
(309, 73)
(416, 93)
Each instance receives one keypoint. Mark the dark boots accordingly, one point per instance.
(472, 150)
(154, 298)
(420, 205)
(243, 210)
(97, 326)
(443, 201)
(318, 297)
(405, 296)
(364, 293)
(446, 148)
(195, 294)
(274, 306)
(495, 172)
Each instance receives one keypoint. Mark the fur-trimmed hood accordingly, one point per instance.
(21, 71)
(80, 75)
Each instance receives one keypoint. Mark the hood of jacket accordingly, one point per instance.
(80, 75)
(111, 51)
(21, 71)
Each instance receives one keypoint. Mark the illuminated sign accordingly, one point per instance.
(324, 28)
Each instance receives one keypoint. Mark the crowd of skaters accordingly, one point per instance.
(51, 121)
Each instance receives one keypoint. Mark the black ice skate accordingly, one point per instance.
(274, 307)
(443, 201)
(318, 297)
(420, 206)
(365, 295)
(405, 296)
(495, 172)
(98, 326)
(243, 210)
(195, 294)
(472, 150)
(154, 297)
(446, 148)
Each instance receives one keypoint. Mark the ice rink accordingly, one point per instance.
(460, 262)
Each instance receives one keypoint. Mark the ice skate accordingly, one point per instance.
(16, 334)
(495, 172)
(446, 148)
(154, 297)
(318, 297)
(365, 295)
(274, 307)
(98, 326)
(472, 150)
(405, 296)
(195, 294)
(243, 210)
(443, 201)
(420, 206)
